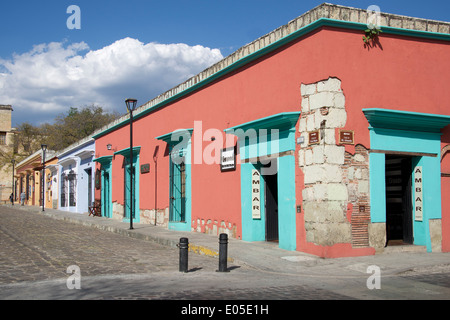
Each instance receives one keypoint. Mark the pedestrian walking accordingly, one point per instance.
(11, 198)
(22, 198)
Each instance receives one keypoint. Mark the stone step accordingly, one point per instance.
(404, 248)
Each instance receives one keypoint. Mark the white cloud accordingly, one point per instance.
(53, 77)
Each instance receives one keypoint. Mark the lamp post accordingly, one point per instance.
(44, 149)
(13, 161)
(131, 106)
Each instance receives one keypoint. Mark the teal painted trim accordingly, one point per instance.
(286, 203)
(136, 155)
(260, 145)
(405, 120)
(270, 48)
(255, 229)
(174, 137)
(104, 159)
(126, 152)
(377, 178)
(186, 225)
(431, 184)
(106, 193)
(252, 229)
(266, 136)
(136, 192)
(284, 120)
(407, 141)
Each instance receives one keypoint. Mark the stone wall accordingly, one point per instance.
(336, 194)
(162, 217)
(146, 216)
(214, 227)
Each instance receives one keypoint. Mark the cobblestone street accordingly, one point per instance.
(35, 247)
(36, 251)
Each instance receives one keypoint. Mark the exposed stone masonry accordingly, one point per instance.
(336, 193)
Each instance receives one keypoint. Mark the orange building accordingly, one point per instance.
(28, 175)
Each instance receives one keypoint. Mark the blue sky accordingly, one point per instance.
(46, 68)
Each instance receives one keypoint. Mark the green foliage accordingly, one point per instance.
(68, 128)
(371, 35)
(75, 125)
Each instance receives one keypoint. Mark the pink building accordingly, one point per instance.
(308, 136)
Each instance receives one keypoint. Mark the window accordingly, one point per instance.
(63, 190)
(2, 138)
(72, 178)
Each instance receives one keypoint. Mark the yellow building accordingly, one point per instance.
(29, 177)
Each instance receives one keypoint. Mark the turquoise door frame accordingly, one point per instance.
(180, 193)
(259, 140)
(177, 210)
(414, 134)
(127, 184)
(106, 185)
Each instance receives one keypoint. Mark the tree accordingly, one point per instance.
(67, 129)
(74, 126)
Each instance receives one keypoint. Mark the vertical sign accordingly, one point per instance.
(256, 200)
(418, 194)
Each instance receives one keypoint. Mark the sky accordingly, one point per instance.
(52, 58)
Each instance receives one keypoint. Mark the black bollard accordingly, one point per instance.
(183, 245)
(223, 252)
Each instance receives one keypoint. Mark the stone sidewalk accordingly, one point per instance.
(266, 256)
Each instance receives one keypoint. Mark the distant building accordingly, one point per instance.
(6, 149)
(75, 176)
(29, 178)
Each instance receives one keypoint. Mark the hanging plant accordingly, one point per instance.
(371, 35)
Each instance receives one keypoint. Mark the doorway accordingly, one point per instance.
(177, 209)
(271, 203)
(89, 188)
(399, 222)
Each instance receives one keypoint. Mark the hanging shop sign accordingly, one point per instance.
(256, 200)
(228, 159)
(418, 194)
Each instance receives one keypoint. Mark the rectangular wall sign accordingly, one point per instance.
(418, 194)
(227, 159)
(256, 199)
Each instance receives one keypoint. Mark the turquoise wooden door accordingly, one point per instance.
(178, 188)
(106, 195)
(127, 187)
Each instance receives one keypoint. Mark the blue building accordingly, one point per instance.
(76, 176)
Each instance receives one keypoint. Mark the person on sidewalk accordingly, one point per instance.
(22, 198)
(11, 198)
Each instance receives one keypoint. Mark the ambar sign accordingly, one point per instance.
(256, 188)
(418, 194)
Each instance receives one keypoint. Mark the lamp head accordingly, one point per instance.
(131, 104)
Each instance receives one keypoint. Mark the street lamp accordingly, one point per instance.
(44, 149)
(13, 161)
(131, 106)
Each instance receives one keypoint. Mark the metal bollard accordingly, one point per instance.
(184, 246)
(223, 252)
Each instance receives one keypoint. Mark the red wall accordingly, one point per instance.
(402, 73)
